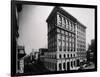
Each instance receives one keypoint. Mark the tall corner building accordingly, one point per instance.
(66, 41)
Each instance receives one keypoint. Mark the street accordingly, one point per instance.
(35, 68)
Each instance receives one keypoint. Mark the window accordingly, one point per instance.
(58, 36)
(64, 56)
(74, 28)
(58, 20)
(67, 23)
(58, 30)
(69, 34)
(70, 44)
(63, 22)
(66, 33)
(60, 67)
(64, 48)
(60, 56)
(71, 64)
(66, 44)
(71, 26)
(62, 31)
(68, 55)
(71, 48)
(67, 39)
(64, 66)
(71, 55)
(60, 48)
(68, 49)
(74, 63)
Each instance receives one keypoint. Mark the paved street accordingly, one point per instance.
(35, 68)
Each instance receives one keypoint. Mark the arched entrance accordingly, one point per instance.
(78, 62)
(68, 66)
(64, 66)
(60, 68)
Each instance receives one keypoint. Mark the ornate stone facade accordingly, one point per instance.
(66, 41)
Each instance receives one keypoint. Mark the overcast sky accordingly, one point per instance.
(33, 26)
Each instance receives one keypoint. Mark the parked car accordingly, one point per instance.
(85, 65)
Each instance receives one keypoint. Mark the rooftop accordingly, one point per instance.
(65, 13)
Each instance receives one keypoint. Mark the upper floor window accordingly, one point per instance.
(58, 30)
(60, 48)
(71, 55)
(60, 67)
(60, 56)
(71, 64)
(68, 55)
(67, 23)
(64, 56)
(63, 21)
(73, 27)
(64, 66)
(58, 20)
(64, 48)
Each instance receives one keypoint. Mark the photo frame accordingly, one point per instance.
(50, 38)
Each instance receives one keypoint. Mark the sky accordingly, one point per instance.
(33, 26)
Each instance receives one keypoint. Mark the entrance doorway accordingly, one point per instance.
(78, 62)
(68, 66)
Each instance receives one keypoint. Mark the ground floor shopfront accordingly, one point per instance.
(63, 64)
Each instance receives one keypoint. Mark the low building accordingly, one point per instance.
(20, 62)
(36, 54)
(42, 52)
(91, 52)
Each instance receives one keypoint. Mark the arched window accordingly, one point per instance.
(59, 66)
(71, 55)
(67, 23)
(58, 19)
(60, 56)
(68, 55)
(71, 64)
(74, 55)
(58, 30)
(74, 63)
(60, 48)
(64, 56)
(64, 66)
(63, 21)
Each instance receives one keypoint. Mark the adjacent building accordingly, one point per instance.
(91, 52)
(36, 54)
(66, 41)
(42, 52)
(20, 61)
(80, 43)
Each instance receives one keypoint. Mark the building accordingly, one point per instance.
(20, 62)
(16, 8)
(32, 56)
(63, 41)
(80, 43)
(91, 52)
(42, 52)
(36, 54)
